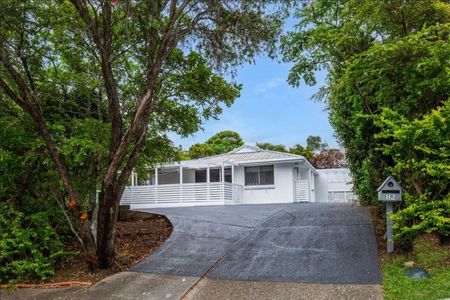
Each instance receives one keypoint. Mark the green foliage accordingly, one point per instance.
(96, 74)
(420, 150)
(377, 54)
(418, 65)
(316, 152)
(272, 147)
(421, 215)
(219, 143)
(199, 150)
(300, 150)
(314, 143)
(384, 55)
(29, 246)
(224, 141)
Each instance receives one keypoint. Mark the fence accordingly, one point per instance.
(187, 194)
(341, 196)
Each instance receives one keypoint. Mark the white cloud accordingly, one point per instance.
(266, 86)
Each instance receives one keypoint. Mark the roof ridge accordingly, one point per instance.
(245, 153)
(235, 150)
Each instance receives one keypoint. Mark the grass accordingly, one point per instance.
(428, 255)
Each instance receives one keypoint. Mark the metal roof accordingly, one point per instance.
(243, 155)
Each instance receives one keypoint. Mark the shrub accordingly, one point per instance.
(29, 246)
(420, 151)
(421, 216)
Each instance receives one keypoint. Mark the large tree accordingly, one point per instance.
(336, 36)
(314, 143)
(151, 66)
(224, 141)
(221, 142)
(381, 55)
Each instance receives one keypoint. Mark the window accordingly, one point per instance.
(228, 174)
(214, 175)
(200, 175)
(261, 175)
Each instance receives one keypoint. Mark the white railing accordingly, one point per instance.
(234, 193)
(302, 191)
(341, 196)
(187, 194)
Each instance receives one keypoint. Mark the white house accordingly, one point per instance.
(246, 175)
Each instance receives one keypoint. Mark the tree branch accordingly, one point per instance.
(75, 233)
(24, 102)
(104, 46)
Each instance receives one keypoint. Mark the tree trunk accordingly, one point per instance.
(108, 212)
(88, 245)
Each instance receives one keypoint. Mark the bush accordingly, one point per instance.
(421, 216)
(29, 246)
(420, 151)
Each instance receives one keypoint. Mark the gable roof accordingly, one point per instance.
(245, 149)
(389, 178)
(245, 154)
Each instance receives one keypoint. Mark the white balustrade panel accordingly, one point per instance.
(188, 194)
(341, 196)
(302, 191)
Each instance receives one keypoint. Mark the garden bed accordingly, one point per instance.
(136, 238)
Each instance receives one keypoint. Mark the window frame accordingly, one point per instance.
(259, 176)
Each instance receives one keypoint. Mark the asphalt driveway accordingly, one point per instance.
(290, 251)
(307, 242)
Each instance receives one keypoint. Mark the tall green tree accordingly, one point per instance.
(301, 150)
(153, 67)
(335, 35)
(272, 147)
(219, 143)
(314, 143)
(224, 141)
(199, 150)
(378, 55)
(420, 150)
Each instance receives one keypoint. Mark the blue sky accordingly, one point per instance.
(270, 110)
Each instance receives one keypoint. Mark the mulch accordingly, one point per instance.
(135, 240)
(379, 225)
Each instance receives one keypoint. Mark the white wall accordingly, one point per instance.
(321, 185)
(281, 192)
(332, 180)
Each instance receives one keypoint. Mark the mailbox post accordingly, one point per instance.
(389, 192)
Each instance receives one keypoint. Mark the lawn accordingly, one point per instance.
(433, 258)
